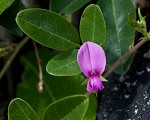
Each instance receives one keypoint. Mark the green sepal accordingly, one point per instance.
(103, 79)
(85, 82)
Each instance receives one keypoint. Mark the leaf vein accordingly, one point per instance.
(63, 66)
(69, 41)
(116, 26)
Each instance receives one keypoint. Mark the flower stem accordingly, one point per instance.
(131, 51)
(10, 60)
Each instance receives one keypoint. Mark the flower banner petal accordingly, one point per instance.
(84, 60)
(98, 58)
(91, 59)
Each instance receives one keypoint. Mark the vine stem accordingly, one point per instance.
(40, 83)
(13, 55)
(131, 51)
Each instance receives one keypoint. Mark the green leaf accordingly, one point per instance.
(120, 35)
(18, 109)
(139, 25)
(66, 7)
(64, 64)
(54, 87)
(4, 4)
(92, 109)
(92, 25)
(7, 19)
(69, 108)
(48, 28)
(142, 19)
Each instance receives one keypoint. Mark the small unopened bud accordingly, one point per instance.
(40, 86)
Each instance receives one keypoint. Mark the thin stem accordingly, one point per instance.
(40, 75)
(112, 67)
(10, 60)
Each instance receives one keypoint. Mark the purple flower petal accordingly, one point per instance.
(91, 59)
(94, 84)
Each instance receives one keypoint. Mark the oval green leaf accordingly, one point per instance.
(64, 64)
(18, 109)
(92, 25)
(91, 112)
(120, 35)
(67, 7)
(69, 108)
(10, 23)
(48, 29)
(4, 4)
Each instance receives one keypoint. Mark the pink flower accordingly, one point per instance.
(92, 61)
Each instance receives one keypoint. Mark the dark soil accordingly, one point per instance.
(127, 97)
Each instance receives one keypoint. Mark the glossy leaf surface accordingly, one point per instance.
(92, 25)
(64, 64)
(7, 19)
(67, 7)
(18, 109)
(71, 107)
(4, 4)
(48, 28)
(120, 35)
